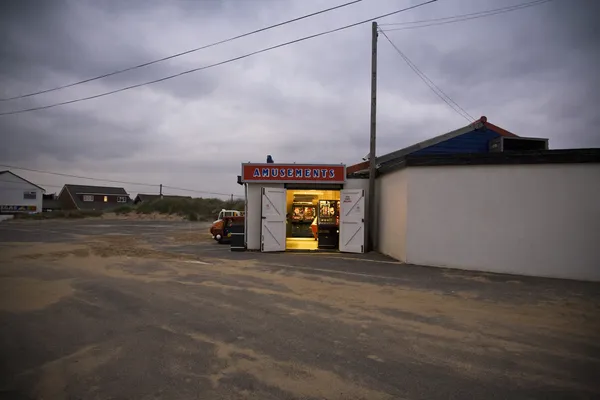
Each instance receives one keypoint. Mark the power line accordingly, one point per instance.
(219, 63)
(463, 17)
(197, 191)
(112, 181)
(78, 176)
(436, 89)
(164, 194)
(500, 10)
(184, 52)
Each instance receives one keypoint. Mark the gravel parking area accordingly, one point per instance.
(98, 309)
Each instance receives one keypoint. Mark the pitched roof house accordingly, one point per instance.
(140, 198)
(83, 197)
(17, 194)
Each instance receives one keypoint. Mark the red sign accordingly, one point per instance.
(288, 173)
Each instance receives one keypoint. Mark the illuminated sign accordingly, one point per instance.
(294, 173)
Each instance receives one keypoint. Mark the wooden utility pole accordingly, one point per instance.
(370, 221)
(161, 191)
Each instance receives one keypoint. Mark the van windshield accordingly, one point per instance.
(228, 213)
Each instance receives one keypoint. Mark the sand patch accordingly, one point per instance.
(474, 278)
(299, 379)
(427, 317)
(39, 250)
(191, 237)
(25, 294)
(56, 374)
(431, 320)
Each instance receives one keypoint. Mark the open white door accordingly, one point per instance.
(352, 221)
(273, 219)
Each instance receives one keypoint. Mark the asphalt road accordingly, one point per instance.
(98, 309)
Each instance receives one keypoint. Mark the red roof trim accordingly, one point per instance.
(357, 167)
(499, 130)
(495, 128)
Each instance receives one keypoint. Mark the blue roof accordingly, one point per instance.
(473, 138)
(476, 141)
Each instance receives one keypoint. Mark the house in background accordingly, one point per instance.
(50, 202)
(19, 195)
(83, 197)
(142, 198)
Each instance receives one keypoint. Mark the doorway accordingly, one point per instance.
(312, 219)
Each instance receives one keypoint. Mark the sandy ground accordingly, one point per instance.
(166, 313)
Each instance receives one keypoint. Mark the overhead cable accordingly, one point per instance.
(112, 181)
(459, 18)
(219, 63)
(120, 71)
(436, 89)
(77, 176)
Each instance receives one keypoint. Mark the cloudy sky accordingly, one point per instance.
(532, 71)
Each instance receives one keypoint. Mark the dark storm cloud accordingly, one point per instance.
(56, 40)
(70, 136)
(530, 71)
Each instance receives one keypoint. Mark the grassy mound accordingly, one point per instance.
(123, 209)
(192, 209)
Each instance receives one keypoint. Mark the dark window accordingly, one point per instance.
(30, 195)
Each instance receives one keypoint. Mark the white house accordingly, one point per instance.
(19, 195)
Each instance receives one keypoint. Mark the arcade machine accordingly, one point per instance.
(329, 221)
(303, 214)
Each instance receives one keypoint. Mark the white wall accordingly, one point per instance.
(253, 213)
(540, 220)
(11, 192)
(391, 190)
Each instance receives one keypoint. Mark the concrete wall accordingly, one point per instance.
(540, 220)
(391, 192)
(11, 192)
(253, 214)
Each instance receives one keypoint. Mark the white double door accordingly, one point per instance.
(352, 226)
(272, 231)
(352, 221)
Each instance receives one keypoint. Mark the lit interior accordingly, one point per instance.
(302, 207)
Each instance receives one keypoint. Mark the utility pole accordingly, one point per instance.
(370, 221)
(160, 191)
